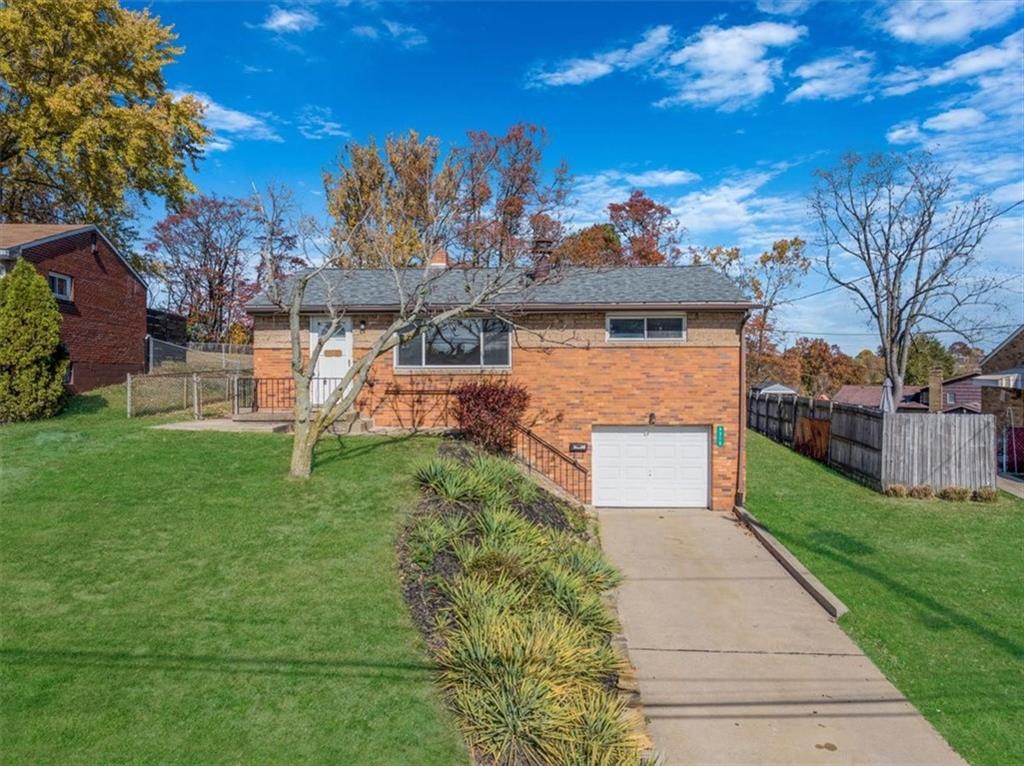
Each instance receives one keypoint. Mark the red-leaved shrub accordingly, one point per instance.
(488, 413)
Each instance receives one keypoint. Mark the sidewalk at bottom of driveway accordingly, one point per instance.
(738, 665)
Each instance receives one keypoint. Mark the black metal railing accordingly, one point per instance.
(277, 394)
(545, 458)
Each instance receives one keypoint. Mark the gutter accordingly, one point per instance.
(741, 479)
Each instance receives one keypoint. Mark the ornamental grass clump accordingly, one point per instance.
(513, 587)
(985, 495)
(956, 494)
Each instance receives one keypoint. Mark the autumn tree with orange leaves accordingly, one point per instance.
(639, 232)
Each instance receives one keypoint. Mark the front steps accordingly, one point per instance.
(351, 423)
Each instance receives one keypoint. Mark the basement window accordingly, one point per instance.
(643, 328)
(60, 285)
(471, 342)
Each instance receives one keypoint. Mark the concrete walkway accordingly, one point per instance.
(1011, 484)
(737, 664)
(226, 425)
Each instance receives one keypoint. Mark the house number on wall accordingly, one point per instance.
(719, 436)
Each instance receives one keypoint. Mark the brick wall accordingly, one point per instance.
(104, 325)
(575, 378)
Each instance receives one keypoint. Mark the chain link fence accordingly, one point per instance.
(165, 357)
(203, 394)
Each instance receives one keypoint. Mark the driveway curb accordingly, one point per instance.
(792, 564)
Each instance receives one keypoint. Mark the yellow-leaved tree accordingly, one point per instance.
(87, 124)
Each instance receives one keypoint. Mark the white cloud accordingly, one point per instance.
(577, 71)
(955, 119)
(366, 31)
(282, 20)
(988, 58)
(406, 35)
(908, 132)
(728, 68)
(660, 177)
(251, 69)
(235, 124)
(316, 122)
(217, 144)
(845, 74)
(784, 7)
(945, 21)
(593, 192)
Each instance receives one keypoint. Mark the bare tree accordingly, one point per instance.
(399, 227)
(915, 248)
(203, 250)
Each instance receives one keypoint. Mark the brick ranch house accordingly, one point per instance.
(636, 373)
(102, 300)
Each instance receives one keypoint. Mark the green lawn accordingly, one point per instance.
(171, 597)
(935, 591)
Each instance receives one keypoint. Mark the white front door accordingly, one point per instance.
(650, 466)
(335, 358)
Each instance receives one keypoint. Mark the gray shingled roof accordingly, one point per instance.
(635, 286)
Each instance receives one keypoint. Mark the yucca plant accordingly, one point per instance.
(600, 731)
(512, 719)
(503, 473)
(589, 562)
(472, 597)
(502, 526)
(449, 480)
(543, 644)
(432, 534)
(573, 597)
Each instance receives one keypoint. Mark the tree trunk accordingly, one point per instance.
(303, 443)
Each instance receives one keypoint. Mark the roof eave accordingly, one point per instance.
(526, 307)
(18, 249)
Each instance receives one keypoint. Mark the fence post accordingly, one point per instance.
(129, 403)
(197, 412)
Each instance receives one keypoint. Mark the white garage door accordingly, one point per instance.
(650, 466)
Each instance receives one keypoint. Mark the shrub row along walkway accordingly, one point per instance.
(737, 664)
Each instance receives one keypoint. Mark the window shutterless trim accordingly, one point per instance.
(645, 316)
(422, 339)
(55, 275)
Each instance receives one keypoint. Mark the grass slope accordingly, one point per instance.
(934, 589)
(171, 597)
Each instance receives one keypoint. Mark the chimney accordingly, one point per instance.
(935, 390)
(439, 259)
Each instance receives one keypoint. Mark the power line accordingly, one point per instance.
(819, 333)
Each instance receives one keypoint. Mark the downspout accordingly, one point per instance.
(741, 441)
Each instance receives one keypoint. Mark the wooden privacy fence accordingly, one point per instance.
(881, 449)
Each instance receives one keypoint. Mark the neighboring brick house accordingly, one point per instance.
(958, 395)
(635, 372)
(102, 300)
(1002, 395)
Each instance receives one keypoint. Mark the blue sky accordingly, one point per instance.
(719, 110)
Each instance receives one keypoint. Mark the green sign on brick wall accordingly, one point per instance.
(719, 436)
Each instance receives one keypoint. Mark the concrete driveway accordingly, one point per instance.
(737, 664)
